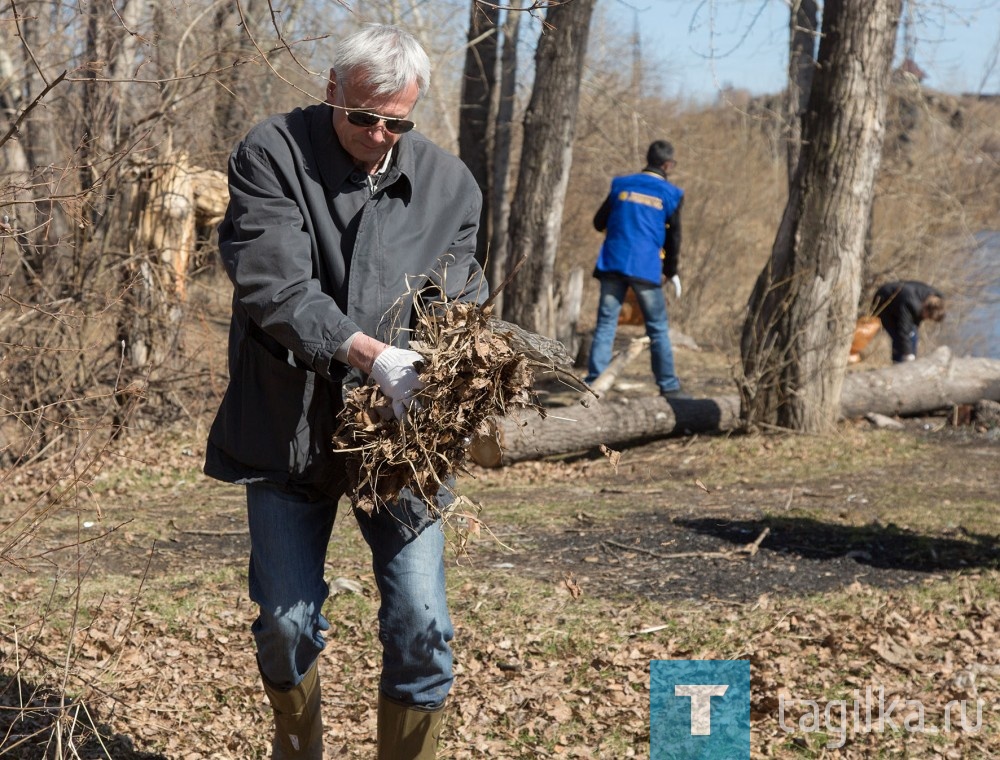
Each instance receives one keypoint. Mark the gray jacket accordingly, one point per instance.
(315, 256)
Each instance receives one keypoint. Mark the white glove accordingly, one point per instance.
(396, 375)
(676, 280)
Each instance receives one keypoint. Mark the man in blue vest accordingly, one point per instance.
(642, 220)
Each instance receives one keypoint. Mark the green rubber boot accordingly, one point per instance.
(298, 720)
(406, 732)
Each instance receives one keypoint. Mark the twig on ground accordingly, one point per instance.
(744, 551)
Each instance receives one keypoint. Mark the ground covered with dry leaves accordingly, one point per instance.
(867, 560)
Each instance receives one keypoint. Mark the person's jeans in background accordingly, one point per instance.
(289, 533)
(904, 345)
(653, 305)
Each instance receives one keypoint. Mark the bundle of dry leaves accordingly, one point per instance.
(476, 367)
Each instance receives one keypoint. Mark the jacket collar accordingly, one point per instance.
(655, 170)
(336, 165)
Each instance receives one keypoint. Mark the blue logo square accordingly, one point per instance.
(699, 710)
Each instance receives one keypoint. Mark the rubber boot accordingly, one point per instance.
(406, 732)
(298, 720)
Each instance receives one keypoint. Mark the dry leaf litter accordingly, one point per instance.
(476, 367)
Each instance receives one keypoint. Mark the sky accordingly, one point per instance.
(704, 45)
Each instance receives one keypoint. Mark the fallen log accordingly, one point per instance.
(578, 429)
(938, 381)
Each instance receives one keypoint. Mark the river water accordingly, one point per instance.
(972, 327)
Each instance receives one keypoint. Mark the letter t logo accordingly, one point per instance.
(701, 704)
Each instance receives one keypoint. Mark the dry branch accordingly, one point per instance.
(748, 550)
(604, 381)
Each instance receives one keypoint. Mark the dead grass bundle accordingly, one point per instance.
(476, 367)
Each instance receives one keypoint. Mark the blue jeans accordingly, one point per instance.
(289, 533)
(653, 305)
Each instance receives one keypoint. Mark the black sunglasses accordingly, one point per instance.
(368, 120)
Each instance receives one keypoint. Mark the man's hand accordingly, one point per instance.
(676, 280)
(396, 375)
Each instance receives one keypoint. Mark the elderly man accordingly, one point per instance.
(340, 216)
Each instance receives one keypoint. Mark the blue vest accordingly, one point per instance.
(641, 204)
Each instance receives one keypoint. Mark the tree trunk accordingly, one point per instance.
(546, 156)
(936, 382)
(52, 231)
(244, 96)
(569, 299)
(802, 311)
(801, 65)
(496, 269)
(478, 85)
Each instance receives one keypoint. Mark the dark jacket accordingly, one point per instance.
(315, 256)
(641, 215)
(899, 305)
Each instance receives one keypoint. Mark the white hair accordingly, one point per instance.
(384, 57)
